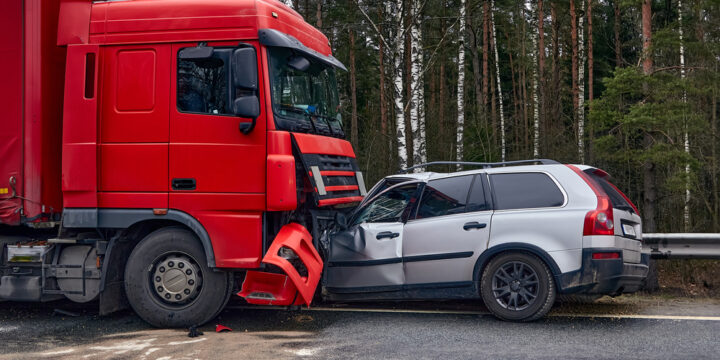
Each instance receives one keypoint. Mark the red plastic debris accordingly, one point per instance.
(221, 328)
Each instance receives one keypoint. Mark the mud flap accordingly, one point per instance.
(290, 288)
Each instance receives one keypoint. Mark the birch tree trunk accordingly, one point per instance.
(590, 50)
(542, 84)
(581, 87)
(399, 45)
(461, 85)
(497, 79)
(417, 87)
(289, 3)
(686, 212)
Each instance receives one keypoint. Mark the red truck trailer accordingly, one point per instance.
(166, 154)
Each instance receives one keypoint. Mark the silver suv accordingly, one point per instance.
(512, 234)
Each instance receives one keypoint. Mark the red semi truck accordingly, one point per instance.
(165, 153)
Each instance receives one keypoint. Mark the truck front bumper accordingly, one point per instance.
(606, 276)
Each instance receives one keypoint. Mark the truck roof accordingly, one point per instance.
(153, 21)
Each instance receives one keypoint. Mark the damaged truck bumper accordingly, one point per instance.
(301, 276)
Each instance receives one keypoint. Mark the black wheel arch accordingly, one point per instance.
(138, 223)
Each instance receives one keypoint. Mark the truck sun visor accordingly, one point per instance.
(271, 37)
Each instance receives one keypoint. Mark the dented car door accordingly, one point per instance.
(368, 254)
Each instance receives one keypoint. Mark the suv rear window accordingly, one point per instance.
(525, 191)
(618, 201)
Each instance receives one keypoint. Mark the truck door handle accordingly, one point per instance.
(387, 235)
(183, 184)
(473, 225)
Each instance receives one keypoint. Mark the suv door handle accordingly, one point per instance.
(387, 235)
(473, 225)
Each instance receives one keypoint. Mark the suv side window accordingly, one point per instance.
(477, 201)
(202, 85)
(388, 207)
(525, 191)
(444, 197)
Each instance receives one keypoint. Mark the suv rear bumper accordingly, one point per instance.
(604, 277)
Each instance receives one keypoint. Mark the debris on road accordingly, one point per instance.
(221, 328)
(194, 332)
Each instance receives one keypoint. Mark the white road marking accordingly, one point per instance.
(150, 351)
(475, 312)
(125, 346)
(645, 317)
(59, 352)
(304, 352)
(186, 342)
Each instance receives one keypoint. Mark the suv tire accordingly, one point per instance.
(169, 284)
(517, 286)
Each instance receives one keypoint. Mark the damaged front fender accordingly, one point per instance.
(290, 288)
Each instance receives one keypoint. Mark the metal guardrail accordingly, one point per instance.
(682, 245)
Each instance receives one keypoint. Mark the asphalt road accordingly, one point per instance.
(657, 329)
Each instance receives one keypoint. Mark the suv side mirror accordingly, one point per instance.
(341, 220)
(246, 103)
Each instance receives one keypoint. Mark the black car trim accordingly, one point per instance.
(389, 288)
(351, 263)
(397, 260)
(606, 276)
(445, 256)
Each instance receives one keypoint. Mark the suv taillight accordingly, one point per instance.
(600, 220)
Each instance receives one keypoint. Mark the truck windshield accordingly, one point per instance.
(304, 101)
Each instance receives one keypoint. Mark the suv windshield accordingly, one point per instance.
(304, 101)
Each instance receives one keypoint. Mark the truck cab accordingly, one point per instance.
(202, 152)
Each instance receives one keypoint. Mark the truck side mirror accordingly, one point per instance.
(245, 81)
(247, 106)
(244, 68)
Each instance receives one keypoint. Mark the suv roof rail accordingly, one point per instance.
(485, 165)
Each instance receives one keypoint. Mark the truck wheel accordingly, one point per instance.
(169, 284)
(517, 287)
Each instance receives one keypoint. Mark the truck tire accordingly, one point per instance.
(169, 284)
(517, 286)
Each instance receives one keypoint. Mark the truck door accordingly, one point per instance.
(450, 230)
(216, 172)
(369, 253)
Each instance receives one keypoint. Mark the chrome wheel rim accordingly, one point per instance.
(175, 279)
(515, 285)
